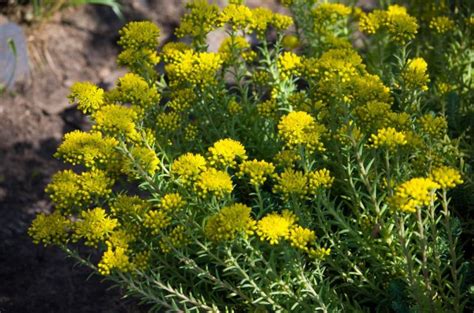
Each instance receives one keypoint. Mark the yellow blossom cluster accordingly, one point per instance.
(328, 14)
(172, 202)
(300, 128)
(168, 122)
(90, 149)
(442, 24)
(229, 222)
(69, 191)
(268, 108)
(446, 177)
(124, 205)
(214, 182)
(289, 64)
(94, 226)
(50, 229)
(395, 20)
(200, 19)
(415, 74)
(117, 120)
(195, 68)
(291, 183)
(389, 138)
(89, 97)
(133, 89)
(182, 99)
(413, 194)
(157, 220)
(274, 227)
(287, 158)
(257, 171)
(226, 152)
(319, 179)
(435, 126)
(188, 166)
(234, 108)
(114, 258)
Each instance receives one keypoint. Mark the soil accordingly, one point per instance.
(76, 44)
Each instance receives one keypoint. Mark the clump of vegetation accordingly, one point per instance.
(289, 171)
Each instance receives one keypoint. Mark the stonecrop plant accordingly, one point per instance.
(316, 162)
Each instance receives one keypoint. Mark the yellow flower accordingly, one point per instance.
(119, 238)
(415, 74)
(229, 222)
(328, 14)
(114, 259)
(125, 205)
(257, 171)
(171, 52)
(94, 226)
(434, 126)
(291, 182)
(289, 64)
(49, 229)
(200, 20)
(115, 119)
(214, 182)
(274, 227)
(236, 16)
(157, 220)
(90, 149)
(389, 138)
(188, 166)
(172, 202)
(401, 26)
(318, 179)
(168, 122)
(225, 152)
(133, 89)
(268, 108)
(319, 253)
(234, 108)
(300, 128)
(137, 35)
(446, 177)
(89, 98)
(290, 42)
(190, 133)
(301, 237)
(413, 194)
(69, 191)
(287, 158)
(182, 99)
(196, 68)
(442, 24)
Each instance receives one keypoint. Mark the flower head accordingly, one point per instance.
(389, 138)
(300, 128)
(228, 222)
(188, 166)
(257, 171)
(214, 182)
(94, 226)
(415, 74)
(413, 194)
(446, 177)
(225, 152)
(273, 227)
(291, 182)
(49, 229)
(89, 98)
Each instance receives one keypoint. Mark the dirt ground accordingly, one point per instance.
(77, 44)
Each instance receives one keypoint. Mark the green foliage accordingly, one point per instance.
(295, 173)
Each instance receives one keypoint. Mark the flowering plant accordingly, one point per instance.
(287, 171)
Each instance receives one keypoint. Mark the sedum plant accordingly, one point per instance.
(288, 171)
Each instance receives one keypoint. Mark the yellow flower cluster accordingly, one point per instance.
(175, 239)
(69, 190)
(133, 89)
(301, 238)
(415, 74)
(234, 108)
(319, 253)
(190, 133)
(395, 20)
(168, 122)
(287, 158)
(328, 14)
(291, 183)
(442, 24)
(172, 202)
(389, 138)
(435, 126)
(125, 205)
(300, 128)
(117, 120)
(268, 108)
(114, 258)
(172, 50)
(413, 194)
(290, 42)
(188, 166)
(229, 222)
(201, 19)
(141, 160)
(182, 99)
(94, 226)
(373, 113)
(157, 220)
(214, 182)
(237, 16)
(139, 41)
(226, 152)
(89, 97)
(273, 227)
(319, 179)
(49, 229)
(446, 177)
(196, 68)
(90, 149)
(257, 171)
(289, 64)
